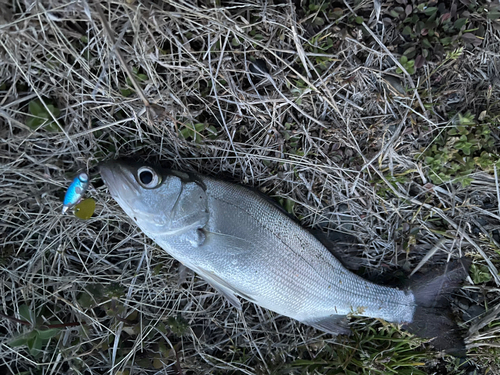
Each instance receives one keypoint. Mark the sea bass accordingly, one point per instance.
(244, 245)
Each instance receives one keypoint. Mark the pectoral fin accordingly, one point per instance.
(227, 244)
(223, 287)
(183, 272)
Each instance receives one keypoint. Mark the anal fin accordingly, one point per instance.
(334, 324)
(223, 287)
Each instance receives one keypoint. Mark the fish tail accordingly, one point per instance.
(433, 317)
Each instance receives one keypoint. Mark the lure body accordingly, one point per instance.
(75, 191)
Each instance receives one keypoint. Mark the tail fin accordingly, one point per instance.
(433, 317)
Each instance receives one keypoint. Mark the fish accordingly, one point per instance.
(246, 246)
(76, 191)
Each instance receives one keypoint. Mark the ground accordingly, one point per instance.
(373, 123)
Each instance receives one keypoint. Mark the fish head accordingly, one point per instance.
(161, 202)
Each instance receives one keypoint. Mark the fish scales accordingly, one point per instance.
(296, 267)
(246, 246)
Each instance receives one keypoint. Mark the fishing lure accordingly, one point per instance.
(76, 190)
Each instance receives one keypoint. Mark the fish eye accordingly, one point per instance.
(148, 178)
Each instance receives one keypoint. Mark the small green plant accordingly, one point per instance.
(409, 65)
(39, 335)
(288, 204)
(41, 116)
(255, 36)
(114, 290)
(431, 31)
(480, 274)
(35, 340)
(316, 8)
(450, 56)
(95, 294)
(140, 77)
(381, 187)
(198, 131)
(320, 12)
(292, 139)
(298, 90)
(378, 349)
(320, 44)
(457, 152)
(178, 325)
(317, 15)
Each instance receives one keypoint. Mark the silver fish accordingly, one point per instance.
(244, 245)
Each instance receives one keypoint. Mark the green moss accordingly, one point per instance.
(460, 150)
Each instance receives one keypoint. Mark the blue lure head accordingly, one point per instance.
(75, 191)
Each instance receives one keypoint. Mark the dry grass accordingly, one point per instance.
(339, 144)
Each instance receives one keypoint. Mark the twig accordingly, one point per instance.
(15, 320)
(496, 185)
(48, 326)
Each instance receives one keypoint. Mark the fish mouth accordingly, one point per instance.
(119, 178)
